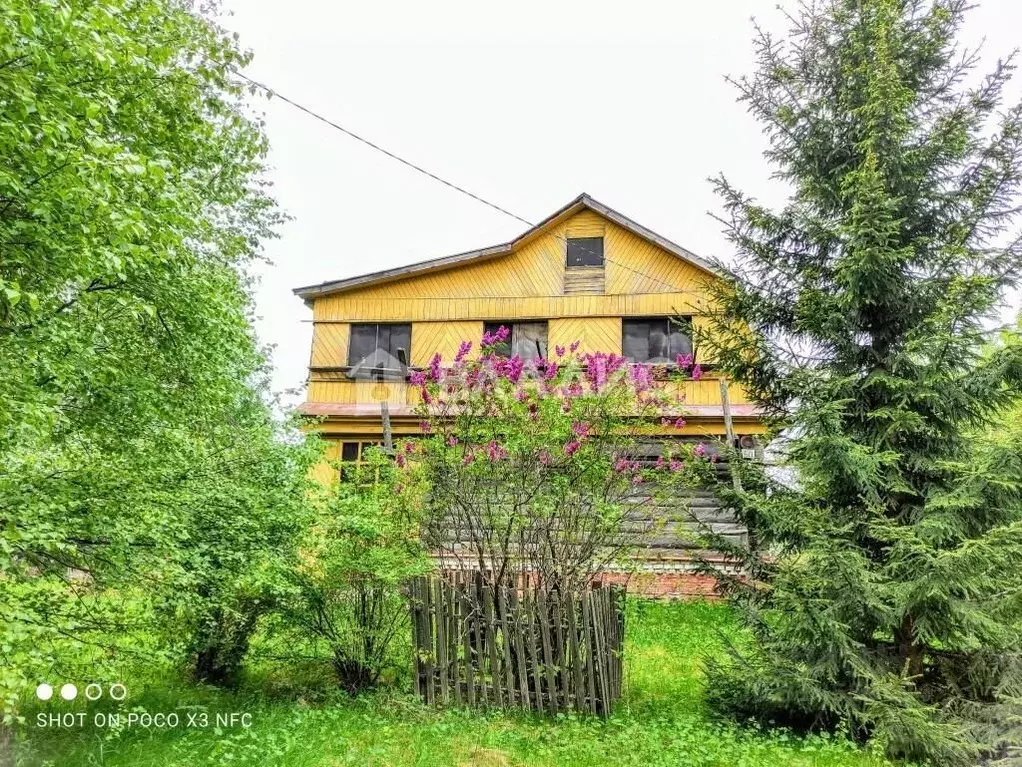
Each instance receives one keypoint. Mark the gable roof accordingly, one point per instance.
(582, 202)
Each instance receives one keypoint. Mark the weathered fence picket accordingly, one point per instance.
(485, 646)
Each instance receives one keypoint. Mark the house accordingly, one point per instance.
(585, 274)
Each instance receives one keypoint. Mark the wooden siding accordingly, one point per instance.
(594, 334)
(329, 345)
(584, 280)
(530, 282)
(428, 338)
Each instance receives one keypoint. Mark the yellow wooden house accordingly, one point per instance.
(585, 274)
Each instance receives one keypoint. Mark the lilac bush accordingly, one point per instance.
(545, 467)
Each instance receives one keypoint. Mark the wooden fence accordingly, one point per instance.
(517, 647)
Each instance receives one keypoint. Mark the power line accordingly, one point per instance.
(435, 177)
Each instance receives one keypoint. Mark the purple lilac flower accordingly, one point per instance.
(521, 395)
(452, 441)
(463, 350)
(580, 429)
(426, 427)
(684, 361)
(621, 466)
(559, 350)
(680, 423)
(676, 465)
(434, 368)
(640, 377)
(545, 458)
(417, 378)
(697, 373)
(495, 452)
(514, 369)
(499, 336)
(399, 459)
(409, 446)
(699, 450)
(469, 458)
(660, 462)
(572, 447)
(574, 346)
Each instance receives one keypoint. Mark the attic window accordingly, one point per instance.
(585, 251)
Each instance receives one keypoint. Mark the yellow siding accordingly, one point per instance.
(530, 281)
(428, 338)
(594, 334)
(704, 355)
(325, 472)
(330, 345)
(449, 306)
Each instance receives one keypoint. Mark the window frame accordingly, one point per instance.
(672, 353)
(349, 364)
(491, 326)
(586, 251)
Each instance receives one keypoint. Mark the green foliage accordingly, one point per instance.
(890, 604)
(662, 722)
(358, 555)
(138, 452)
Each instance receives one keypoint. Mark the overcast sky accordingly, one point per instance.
(527, 104)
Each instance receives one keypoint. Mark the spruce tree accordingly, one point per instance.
(885, 590)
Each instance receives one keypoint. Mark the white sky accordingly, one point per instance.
(527, 104)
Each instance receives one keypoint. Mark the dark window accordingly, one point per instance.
(527, 339)
(349, 451)
(585, 251)
(655, 339)
(379, 351)
(353, 455)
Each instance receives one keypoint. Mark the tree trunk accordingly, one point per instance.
(909, 649)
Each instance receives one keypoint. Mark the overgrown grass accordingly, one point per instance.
(662, 721)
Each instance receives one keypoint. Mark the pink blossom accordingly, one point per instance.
(399, 459)
(697, 373)
(515, 366)
(621, 466)
(660, 462)
(580, 429)
(680, 423)
(559, 350)
(499, 336)
(572, 447)
(427, 398)
(409, 446)
(684, 361)
(675, 465)
(714, 458)
(521, 395)
(640, 377)
(495, 452)
(426, 427)
(452, 441)
(574, 346)
(699, 450)
(463, 350)
(545, 458)
(666, 422)
(469, 458)
(434, 368)
(551, 371)
(417, 378)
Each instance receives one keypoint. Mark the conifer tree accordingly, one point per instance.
(888, 601)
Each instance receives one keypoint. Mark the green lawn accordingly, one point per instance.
(660, 722)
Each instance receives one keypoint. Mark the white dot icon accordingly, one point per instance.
(69, 692)
(44, 691)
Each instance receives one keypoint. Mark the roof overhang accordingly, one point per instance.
(580, 203)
